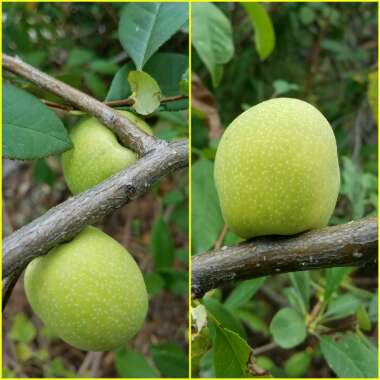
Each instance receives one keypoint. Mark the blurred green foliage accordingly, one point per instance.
(325, 54)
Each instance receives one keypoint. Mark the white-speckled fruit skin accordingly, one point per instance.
(276, 169)
(96, 154)
(89, 291)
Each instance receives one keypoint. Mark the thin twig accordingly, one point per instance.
(111, 103)
(128, 133)
(220, 239)
(265, 348)
(130, 101)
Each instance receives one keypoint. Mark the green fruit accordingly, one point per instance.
(276, 169)
(89, 291)
(97, 154)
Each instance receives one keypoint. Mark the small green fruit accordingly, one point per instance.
(97, 154)
(276, 169)
(89, 291)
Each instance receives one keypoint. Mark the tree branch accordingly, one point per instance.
(130, 102)
(354, 243)
(128, 133)
(64, 221)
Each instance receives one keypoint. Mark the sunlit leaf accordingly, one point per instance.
(264, 33)
(145, 92)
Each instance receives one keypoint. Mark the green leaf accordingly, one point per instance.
(363, 319)
(154, 282)
(307, 14)
(23, 352)
(301, 283)
(373, 308)
(103, 66)
(182, 255)
(288, 328)
(219, 312)
(144, 27)
(184, 83)
(207, 221)
(282, 87)
(199, 346)
(231, 238)
(95, 84)
(22, 330)
(334, 277)
(348, 356)
(233, 357)
(180, 218)
(35, 58)
(212, 38)
(131, 364)
(254, 322)
(198, 318)
(243, 293)
(372, 94)
(157, 67)
(170, 360)
(161, 244)
(173, 198)
(145, 92)
(43, 174)
(356, 185)
(8, 373)
(30, 129)
(120, 88)
(264, 33)
(56, 368)
(298, 364)
(176, 281)
(78, 57)
(295, 300)
(343, 306)
(206, 364)
(168, 70)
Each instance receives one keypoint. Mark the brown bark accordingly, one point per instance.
(351, 244)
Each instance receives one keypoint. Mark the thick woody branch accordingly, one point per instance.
(351, 244)
(128, 133)
(64, 221)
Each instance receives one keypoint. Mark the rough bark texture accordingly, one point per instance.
(351, 244)
(128, 133)
(64, 221)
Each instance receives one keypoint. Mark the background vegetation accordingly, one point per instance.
(79, 44)
(321, 323)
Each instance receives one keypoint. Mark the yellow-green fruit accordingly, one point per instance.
(89, 291)
(96, 153)
(276, 169)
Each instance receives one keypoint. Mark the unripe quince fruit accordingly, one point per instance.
(89, 291)
(97, 154)
(276, 169)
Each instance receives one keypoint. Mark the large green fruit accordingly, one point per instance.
(276, 169)
(97, 154)
(89, 291)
